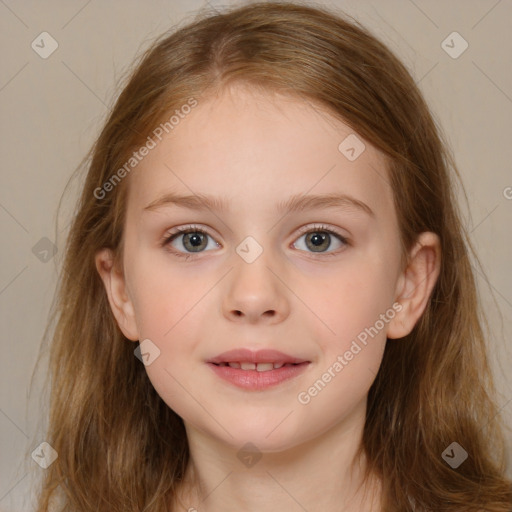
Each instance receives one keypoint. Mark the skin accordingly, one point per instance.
(258, 149)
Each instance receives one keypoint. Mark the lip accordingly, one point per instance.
(256, 356)
(253, 380)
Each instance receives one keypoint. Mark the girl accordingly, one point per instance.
(269, 215)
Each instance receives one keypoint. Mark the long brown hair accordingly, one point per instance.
(434, 386)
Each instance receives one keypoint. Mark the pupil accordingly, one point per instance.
(318, 239)
(193, 239)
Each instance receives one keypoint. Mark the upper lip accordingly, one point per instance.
(245, 355)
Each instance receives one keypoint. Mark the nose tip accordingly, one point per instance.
(254, 294)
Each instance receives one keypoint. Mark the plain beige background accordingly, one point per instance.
(53, 108)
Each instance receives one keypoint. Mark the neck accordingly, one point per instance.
(321, 474)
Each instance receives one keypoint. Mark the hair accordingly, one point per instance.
(434, 386)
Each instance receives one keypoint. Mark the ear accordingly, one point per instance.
(416, 283)
(116, 289)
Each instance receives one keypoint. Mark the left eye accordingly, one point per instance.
(195, 240)
(320, 239)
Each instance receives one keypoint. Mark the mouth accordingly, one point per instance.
(259, 360)
(259, 367)
(258, 370)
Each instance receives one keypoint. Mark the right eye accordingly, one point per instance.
(191, 238)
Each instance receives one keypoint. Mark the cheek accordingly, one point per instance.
(169, 305)
(350, 298)
(355, 308)
(340, 388)
(163, 294)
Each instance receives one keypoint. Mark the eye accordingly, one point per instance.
(192, 238)
(319, 238)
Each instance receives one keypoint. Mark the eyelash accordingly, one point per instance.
(196, 229)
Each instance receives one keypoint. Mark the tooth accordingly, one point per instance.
(278, 365)
(264, 367)
(234, 365)
(248, 366)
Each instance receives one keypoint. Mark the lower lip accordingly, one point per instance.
(255, 380)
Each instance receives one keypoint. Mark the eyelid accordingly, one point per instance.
(304, 229)
(321, 227)
(182, 230)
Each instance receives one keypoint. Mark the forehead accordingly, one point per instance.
(258, 148)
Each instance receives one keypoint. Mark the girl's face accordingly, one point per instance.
(318, 283)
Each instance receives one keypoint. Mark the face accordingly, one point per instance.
(317, 283)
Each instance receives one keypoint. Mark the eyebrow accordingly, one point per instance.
(296, 203)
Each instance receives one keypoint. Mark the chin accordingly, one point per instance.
(264, 438)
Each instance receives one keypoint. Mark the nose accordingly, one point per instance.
(256, 293)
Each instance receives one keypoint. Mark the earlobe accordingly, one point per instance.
(115, 286)
(415, 284)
